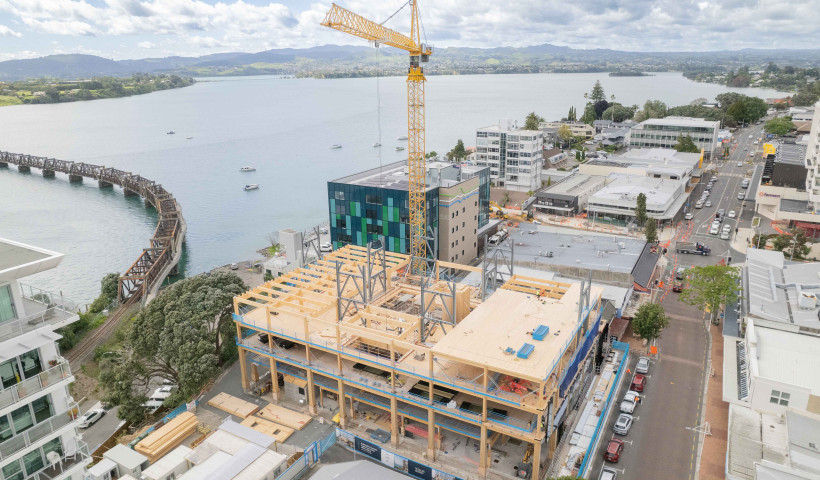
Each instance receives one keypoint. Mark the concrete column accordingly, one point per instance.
(48, 173)
(311, 394)
(104, 184)
(75, 178)
(4, 165)
(23, 169)
(274, 378)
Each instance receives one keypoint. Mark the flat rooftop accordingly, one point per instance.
(784, 356)
(574, 248)
(650, 157)
(18, 260)
(575, 184)
(681, 121)
(791, 153)
(506, 320)
(393, 176)
(775, 288)
(624, 190)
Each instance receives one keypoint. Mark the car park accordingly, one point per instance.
(688, 216)
(643, 365)
(638, 383)
(630, 401)
(732, 214)
(613, 450)
(623, 424)
(91, 417)
(608, 474)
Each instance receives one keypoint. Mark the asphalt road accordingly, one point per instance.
(662, 442)
(96, 434)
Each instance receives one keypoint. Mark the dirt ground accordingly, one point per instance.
(85, 389)
(516, 198)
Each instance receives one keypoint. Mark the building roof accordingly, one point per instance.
(774, 288)
(126, 457)
(753, 437)
(657, 157)
(624, 190)
(642, 272)
(18, 260)
(791, 153)
(505, 320)
(510, 127)
(783, 356)
(680, 121)
(392, 176)
(574, 185)
(357, 470)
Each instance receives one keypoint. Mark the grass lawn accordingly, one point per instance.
(6, 100)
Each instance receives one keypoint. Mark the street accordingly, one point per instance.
(663, 440)
(98, 433)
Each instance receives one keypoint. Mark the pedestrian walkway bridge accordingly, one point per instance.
(145, 275)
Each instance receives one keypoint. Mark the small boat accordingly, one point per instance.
(377, 144)
(247, 169)
(170, 133)
(402, 138)
(336, 146)
(252, 186)
(188, 138)
(399, 149)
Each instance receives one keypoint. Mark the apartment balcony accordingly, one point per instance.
(38, 432)
(42, 309)
(64, 466)
(38, 383)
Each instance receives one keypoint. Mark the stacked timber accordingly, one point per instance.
(167, 437)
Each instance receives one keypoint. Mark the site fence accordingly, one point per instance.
(310, 456)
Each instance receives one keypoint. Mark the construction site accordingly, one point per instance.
(465, 380)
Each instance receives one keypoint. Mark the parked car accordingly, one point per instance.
(608, 474)
(699, 204)
(707, 193)
(638, 383)
(326, 247)
(714, 230)
(741, 195)
(323, 230)
(708, 203)
(677, 287)
(234, 266)
(643, 365)
(680, 273)
(91, 417)
(688, 216)
(623, 424)
(724, 235)
(630, 401)
(613, 450)
(721, 212)
(732, 214)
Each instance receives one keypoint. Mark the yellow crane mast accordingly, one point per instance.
(346, 21)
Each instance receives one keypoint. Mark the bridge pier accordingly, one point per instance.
(48, 173)
(23, 169)
(75, 178)
(129, 193)
(4, 165)
(104, 184)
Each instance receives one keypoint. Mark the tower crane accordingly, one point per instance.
(346, 21)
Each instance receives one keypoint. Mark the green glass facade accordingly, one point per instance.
(360, 214)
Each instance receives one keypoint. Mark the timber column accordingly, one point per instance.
(242, 367)
(341, 399)
(431, 418)
(274, 375)
(482, 452)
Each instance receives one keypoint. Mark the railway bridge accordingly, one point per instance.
(144, 277)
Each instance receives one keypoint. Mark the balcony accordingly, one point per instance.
(36, 433)
(43, 309)
(30, 386)
(69, 461)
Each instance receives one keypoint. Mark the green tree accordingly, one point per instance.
(564, 134)
(531, 123)
(618, 113)
(572, 116)
(651, 109)
(109, 286)
(431, 154)
(686, 144)
(597, 94)
(649, 321)
(711, 286)
(779, 126)
(577, 155)
(589, 114)
(184, 335)
(458, 152)
(651, 231)
(640, 209)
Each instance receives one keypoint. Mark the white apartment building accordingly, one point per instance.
(38, 417)
(664, 133)
(813, 162)
(514, 156)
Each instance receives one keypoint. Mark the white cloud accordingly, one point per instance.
(7, 32)
(222, 25)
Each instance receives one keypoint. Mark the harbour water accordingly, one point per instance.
(283, 127)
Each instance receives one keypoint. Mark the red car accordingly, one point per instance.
(613, 450)
(638, 383)
(678, 287)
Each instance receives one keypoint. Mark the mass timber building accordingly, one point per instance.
(432, 364)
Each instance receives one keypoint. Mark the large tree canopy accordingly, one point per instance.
(711, 286)
(184, 335)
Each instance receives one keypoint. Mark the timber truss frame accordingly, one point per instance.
(447, 301)
(497, 265)
(367, 281)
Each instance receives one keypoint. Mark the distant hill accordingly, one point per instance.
(343, 60)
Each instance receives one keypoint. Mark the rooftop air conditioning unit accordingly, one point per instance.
(807, 301)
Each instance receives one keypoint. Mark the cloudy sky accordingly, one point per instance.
(122, 29)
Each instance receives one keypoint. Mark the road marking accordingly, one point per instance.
(684, 361)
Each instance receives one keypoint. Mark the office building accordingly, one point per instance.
(578, 129)
(38, 417)
(665, 198)
(664, 133)
(375, 203)
(514, 156)
(813, 162)
(431, 365)
(568, 197)
(646, 162)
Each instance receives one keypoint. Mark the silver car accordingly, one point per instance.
(643, 365)
(608, 474)
(623, 424)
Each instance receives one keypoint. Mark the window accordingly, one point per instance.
(13, 471)
(780, 398)
(371, 214)
(301, 391)
(10, 373)
(33, 461)
(373, 199)
(31, 363)
(22, 419)
(339, 195)
(5, 428)
(6, 304)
